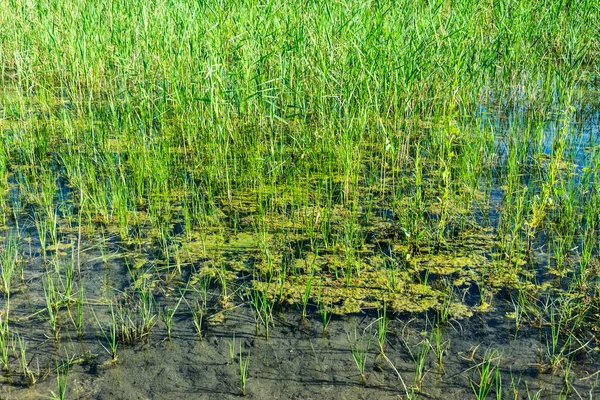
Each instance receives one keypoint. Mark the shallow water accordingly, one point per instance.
(297, 360)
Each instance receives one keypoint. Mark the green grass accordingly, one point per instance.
(360, 344)
(244, 364)
(488, 371)
(392, 154)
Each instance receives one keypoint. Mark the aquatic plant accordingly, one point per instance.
(51, 296)
(62, 379)
(80, 302)
(420, 360)
(198, 313)
(306, 293)
(557, 345)
(382, 327)
(324, 312)
(359, 348)
(112, 336)
(28, 373)
(5, 337)
(243, 364)
(262, 308)
(391, 155)
(488, 372)
(170, 313)
(8, 263)
(439, 346)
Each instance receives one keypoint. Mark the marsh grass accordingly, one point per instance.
(51, 296)
(28, 373)
(244, 363)
(111, 334)
(488, 376)
(382, 327)
(169, 313)
(8, 263)
(360, 344)
(420, 361)
(262, 308)
(79, 316)
(324, 313)
(439, 346)
(62, 380)
(390, 154)
(198, 315)
(5, 338)
(306, 293)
